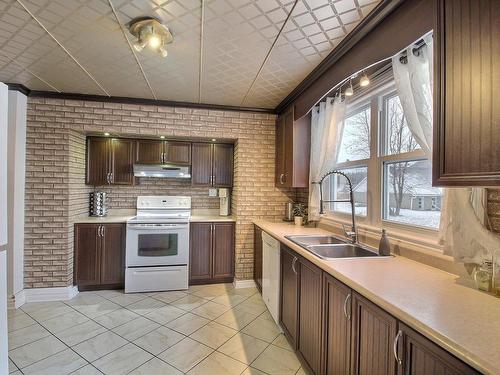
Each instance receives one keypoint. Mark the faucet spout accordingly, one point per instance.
(353, 233)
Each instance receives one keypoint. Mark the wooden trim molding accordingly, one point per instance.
(126, 100)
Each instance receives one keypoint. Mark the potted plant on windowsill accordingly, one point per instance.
(300, 214)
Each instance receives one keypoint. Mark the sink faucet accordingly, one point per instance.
(352, 234)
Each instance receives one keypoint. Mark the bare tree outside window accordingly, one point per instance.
(355, 143)
(399, 140)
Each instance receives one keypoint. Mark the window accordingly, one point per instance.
(355, 140)
(390, 174)
(340, 191)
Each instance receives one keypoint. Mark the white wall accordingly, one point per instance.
(4, 363)
(15, 192)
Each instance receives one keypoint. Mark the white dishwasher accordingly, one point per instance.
(271, 274)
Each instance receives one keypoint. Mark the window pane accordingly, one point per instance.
(338, 188)
(409, 196)
(398, 136)
(355, 140)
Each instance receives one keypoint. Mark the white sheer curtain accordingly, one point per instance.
(462, 215)
(327, 121)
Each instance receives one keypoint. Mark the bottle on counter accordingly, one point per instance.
(384, 246)
(483, 276)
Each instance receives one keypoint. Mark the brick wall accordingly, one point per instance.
(56, 194)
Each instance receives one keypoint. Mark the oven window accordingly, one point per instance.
(158, 245)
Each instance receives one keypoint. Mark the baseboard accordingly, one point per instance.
(17, 300)
(244, 284)
(50, 294)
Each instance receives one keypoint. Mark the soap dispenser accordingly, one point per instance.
(384, 247)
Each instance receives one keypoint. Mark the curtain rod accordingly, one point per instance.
(403, 59)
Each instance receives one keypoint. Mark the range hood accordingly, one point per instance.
(162, 170)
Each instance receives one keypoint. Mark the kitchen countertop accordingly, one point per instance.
(124, 218)
(460, 319)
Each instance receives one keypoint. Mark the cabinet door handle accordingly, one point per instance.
(281, 178)
(293, 265)
(110, 177)
(99, 231)
(213, 180)
(347, 315)
(395, 348)
(102, 230)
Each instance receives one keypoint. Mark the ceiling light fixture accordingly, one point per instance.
(349, 91)
(162, 136)
(106, 134)
(364, 81)
(150, 33)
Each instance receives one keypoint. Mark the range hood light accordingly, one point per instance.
(162, 136)
(106, 134)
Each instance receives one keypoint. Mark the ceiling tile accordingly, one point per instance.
(24, 41)
(314, 29)
(234, 51)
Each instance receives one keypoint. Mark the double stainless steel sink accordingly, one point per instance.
(331, 247)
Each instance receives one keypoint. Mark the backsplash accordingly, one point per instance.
(126, 196)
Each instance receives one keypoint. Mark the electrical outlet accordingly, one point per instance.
(212, 192)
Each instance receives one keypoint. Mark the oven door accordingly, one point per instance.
(157, 245)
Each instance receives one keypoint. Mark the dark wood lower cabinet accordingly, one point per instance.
(336, 326)
(87, 270)
(420, 356)
(336, 331)
(289, 286)
(310, 325)
(373, 333)
(211, 253)
(99, 256)
(257, 257)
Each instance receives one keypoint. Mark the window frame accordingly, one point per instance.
(375, 95)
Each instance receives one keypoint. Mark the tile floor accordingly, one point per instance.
(206, 330)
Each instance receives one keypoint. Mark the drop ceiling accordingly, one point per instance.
(226, 52)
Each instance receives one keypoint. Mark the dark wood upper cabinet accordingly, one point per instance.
(212, 164)
(87, 270)
(211, 252)
(336, 326)
(122, 161)
(177, 152)
(373, 334)
(98, 161)
(201, 164)
(149, 151)
(289, 304)
(223, 165)
(293, 143)
(257, 256)
(99, 255)
(109, 161)
(421, 356)
(466, 110)
(310, 325)
(112, 254)
(223, 250)
(200, 251)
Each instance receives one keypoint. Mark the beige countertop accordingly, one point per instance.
(460, 319)
(121, 218)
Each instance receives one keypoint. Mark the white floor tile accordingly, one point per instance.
(65, 321)
(262, 329)
(36, 351)
(80, 333)
(26, 335)
(155, 367)
(243, 348)
(116, 318)
(218, 364)
(165, 314)
(136, 328)
(187, 323)
(159, 340)
(213, 334)
(277, 361)
(122, 360)
(18, 321)
(99, 346)
(185, 354)
(62, 363)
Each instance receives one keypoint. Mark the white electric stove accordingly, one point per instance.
(157, 248)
